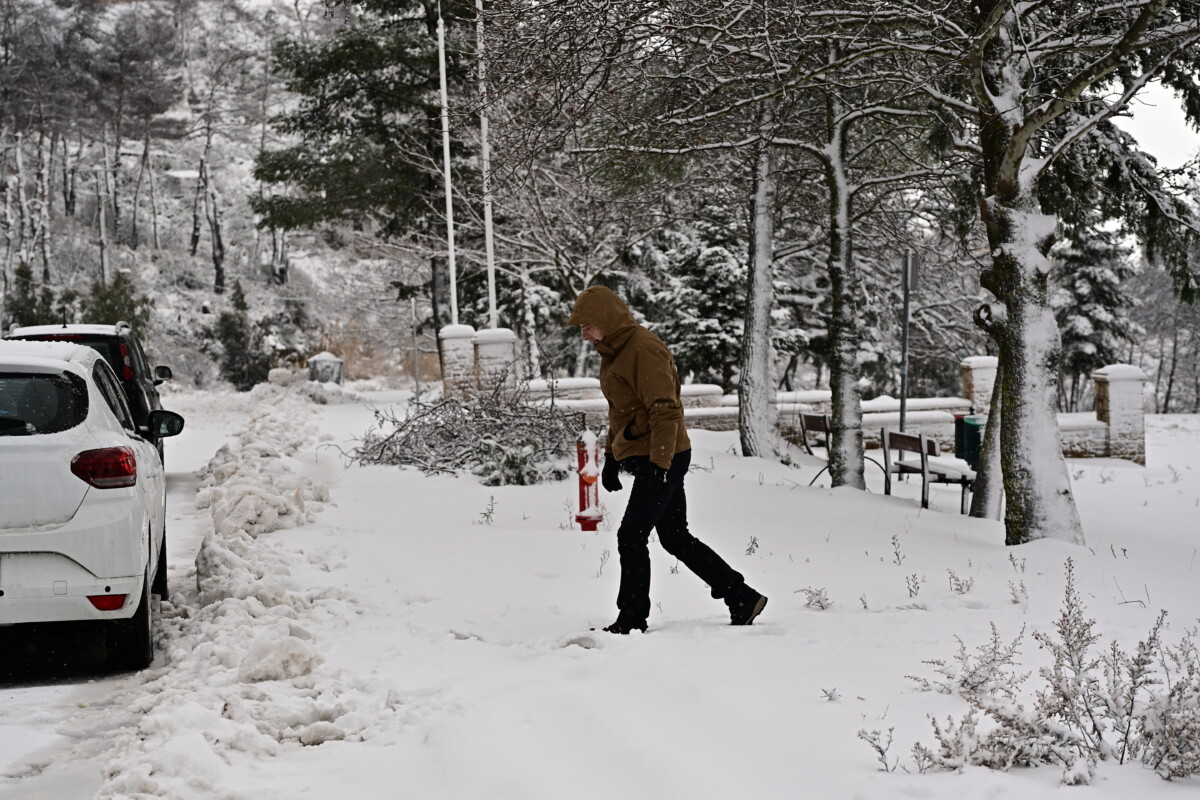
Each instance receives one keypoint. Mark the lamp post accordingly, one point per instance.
(908, 280)
(441, 33)
(486, 162)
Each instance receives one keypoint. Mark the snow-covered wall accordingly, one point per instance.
(1118, 429)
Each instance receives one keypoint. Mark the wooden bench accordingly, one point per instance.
(929, 464)
(815, 425)
(820, 427)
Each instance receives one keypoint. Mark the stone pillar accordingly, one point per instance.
(495, 358)
(978, 380)
(457, 353)
(1119, 405)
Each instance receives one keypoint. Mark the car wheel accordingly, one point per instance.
(160, 576)
(130, 642)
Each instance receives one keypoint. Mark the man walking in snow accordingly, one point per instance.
(647, 439)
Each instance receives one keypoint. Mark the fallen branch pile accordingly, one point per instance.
(498, 437)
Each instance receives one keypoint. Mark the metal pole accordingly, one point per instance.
(905, 269)
(441, 31)
(416, 351)
(486, 156)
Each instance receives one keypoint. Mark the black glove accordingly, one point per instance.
(609, 476)
(656, 476)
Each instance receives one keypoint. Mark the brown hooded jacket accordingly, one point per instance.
(638, 378)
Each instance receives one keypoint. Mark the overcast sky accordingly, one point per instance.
(1160, 128)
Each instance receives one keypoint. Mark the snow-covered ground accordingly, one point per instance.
(375, 633)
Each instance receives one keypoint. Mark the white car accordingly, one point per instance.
(82, 498)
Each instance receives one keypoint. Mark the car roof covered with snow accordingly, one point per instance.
(50, 330)
(45, 356)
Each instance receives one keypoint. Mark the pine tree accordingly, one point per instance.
(245, 362)
(117, 301)
(367, 122)
(697, 305)
(1091, 307)
(38, 304)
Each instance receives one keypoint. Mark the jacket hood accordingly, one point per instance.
(600, 306)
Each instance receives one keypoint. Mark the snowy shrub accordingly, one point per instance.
(988, 673)
(816, 598)
(497, 437)
(1169, 724)
(1095, 706)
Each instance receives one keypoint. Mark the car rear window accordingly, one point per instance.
(104, 345)
(38, 403)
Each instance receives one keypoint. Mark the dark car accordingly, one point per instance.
(123, 352)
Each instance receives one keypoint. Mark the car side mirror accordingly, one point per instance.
(162, 374)
(165, 423)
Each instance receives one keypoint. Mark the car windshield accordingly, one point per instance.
(38, 403)
(106, 346)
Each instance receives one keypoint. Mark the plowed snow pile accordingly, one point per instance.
(241, 669)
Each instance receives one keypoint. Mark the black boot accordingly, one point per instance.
(746, 607)
(624, 626)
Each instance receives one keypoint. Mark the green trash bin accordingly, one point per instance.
(960, 436)
(973, 428)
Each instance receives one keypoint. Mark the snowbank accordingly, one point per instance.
(240, 671)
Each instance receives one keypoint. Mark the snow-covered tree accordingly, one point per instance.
(364, 148)
(696, 296)
(1091, 305)
(660, 86)
(1044, 80)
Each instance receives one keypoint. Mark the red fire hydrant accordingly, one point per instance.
(589, 515)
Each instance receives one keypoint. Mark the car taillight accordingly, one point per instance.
(107, 468)
(107, 602)
(126, 364)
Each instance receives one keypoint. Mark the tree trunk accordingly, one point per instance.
(212, 209)
(43, 193)
(197, 204)
(1166, 407)
(68, 173)
(110, 196)
(114, 185)
(24, 212)
(279, 256)
(153, 206)
(1037, 487)
(71, 178)
(1039, 500)
(989, 479)
(101, 213)
(137, 193)
(846, 452)
(439, 290)
(9, 223)
(756, 411)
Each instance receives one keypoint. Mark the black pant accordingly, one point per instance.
(664, 509)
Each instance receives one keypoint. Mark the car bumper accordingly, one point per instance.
(48, 573)
(66, 601)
